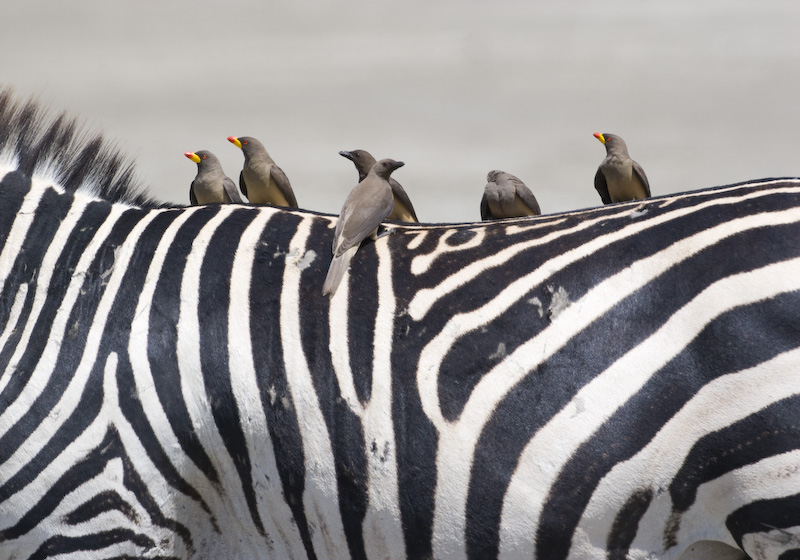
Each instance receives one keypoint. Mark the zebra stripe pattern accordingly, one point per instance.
(608, 383)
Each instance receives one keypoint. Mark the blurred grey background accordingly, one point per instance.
(705, 92)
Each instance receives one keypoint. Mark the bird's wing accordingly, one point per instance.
(337, 232)
(486, 214)
(242, 184)
(637, 169)
(400, 194)
(602, 187)
(192, 197)
(525, 194)
(230, 190)
(282, 181)
(359, 221)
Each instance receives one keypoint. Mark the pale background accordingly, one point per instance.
(705, 92)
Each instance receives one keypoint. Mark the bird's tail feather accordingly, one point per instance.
(336, 271)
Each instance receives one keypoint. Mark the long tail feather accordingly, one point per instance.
(336, 271)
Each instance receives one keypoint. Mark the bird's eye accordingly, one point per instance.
(204, 157)
(245, 142)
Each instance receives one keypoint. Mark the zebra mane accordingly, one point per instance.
(61, 150)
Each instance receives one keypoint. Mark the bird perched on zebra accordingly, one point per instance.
(367, 205)
(403, 210)
(211, 184)
(261, 180)
(505, 196)
(619, 178)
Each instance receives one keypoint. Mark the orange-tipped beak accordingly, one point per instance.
(193, 156)
(235, 141)
(599, 137)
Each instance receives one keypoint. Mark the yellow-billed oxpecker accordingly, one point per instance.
(505, 196)
(261, 180)
(619, 178)
(211, 184)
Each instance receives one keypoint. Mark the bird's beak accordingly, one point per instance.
(235, 141)
(345, 153)
(398, 164)
(193, 156)
(599, 137)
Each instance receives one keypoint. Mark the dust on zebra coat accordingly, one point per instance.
(612, 382)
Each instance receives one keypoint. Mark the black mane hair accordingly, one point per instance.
(62, 148)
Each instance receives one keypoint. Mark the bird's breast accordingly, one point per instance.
(208, 189)
(261, 188)
(622, 183)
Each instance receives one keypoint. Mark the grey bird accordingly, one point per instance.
(505, 196)
(261, 180)
(403, 210)
(367, 205)
(619, 178)
(211, 184)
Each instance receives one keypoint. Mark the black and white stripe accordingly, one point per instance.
(615, 382)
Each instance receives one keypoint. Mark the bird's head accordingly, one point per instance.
(248, 144)
(362, 159)
(492, 176)
(384, 167)
(614, 144)
(202, 157)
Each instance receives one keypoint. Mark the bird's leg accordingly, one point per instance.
(384, 231)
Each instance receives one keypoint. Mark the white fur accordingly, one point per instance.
(320, 498)
(606, 393)
(45, 367)
(421, 263)
(424, 299)
(275, 513)
(383, 533)
(720, 403)
(458, 439)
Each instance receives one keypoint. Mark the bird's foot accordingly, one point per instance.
(382, 232)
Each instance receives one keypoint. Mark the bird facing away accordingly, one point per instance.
(403, 210)
(367, 205)
(619, 178)
(505, 196)
(211, 184)
(261, 180)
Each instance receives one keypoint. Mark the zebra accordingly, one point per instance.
(614, 382)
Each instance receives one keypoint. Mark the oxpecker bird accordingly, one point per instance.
(211, 184)
(367, 205)
(619, 178)
(261, 180)
(403, 210)
(505, 196)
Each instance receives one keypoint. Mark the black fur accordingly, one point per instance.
(75, 157)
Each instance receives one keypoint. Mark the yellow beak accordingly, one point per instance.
(193, 156)
(599, 137)
(235, 141)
